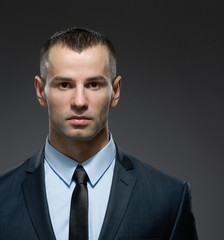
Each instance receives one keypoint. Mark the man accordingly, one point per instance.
(118, 197)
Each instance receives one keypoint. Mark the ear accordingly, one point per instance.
(116, 92)
(39, 86)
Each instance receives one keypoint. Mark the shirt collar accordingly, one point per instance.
(95, 166)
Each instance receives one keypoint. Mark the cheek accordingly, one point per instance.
(56, 105)
(103, 107)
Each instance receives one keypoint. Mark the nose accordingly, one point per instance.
(79, 99)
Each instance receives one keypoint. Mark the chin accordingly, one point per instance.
(80, 136)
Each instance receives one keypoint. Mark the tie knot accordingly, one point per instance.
(80, 175)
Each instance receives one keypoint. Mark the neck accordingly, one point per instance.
(79, 150)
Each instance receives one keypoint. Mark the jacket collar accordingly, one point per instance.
(121, 191)
(35, 198)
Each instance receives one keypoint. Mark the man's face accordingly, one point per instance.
(78, 92)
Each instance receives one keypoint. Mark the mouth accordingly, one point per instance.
(79, 120)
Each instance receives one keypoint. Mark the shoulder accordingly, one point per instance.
(10, 184)
(148, 177)
(151, 183)
(14, 172)
(13, 177)
(145, 170)
(11, 180)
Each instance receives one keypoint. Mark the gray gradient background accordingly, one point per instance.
(170, 113)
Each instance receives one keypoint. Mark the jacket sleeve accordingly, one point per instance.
(184, 227)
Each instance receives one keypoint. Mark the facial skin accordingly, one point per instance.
(78, 93)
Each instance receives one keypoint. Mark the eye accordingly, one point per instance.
(94, 85)
(64, 85)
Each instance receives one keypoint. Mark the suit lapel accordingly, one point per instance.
(35, 198)
(121, 191)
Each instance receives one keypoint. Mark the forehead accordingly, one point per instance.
(66, 61)
(71, 63)
(60, 53)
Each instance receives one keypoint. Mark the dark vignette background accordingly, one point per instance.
(171, 111)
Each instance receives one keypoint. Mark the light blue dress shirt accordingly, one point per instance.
(59, 170)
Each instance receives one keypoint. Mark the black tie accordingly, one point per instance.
(78, 227)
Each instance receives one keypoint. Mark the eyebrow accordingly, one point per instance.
(59, 79)
(95, 78)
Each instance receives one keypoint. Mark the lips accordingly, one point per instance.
(79, 120)
(79, 117)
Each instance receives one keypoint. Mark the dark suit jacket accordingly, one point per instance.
(144, 203)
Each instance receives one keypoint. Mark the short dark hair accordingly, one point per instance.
(77, 39)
